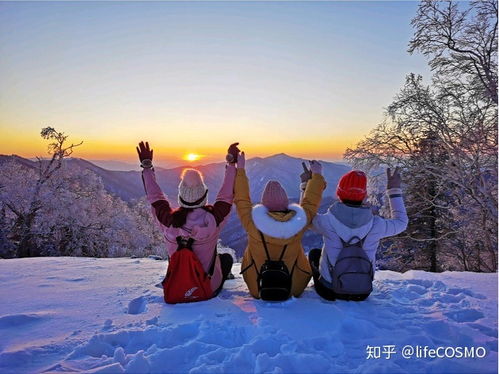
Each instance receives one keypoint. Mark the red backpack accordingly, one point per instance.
(186, 281)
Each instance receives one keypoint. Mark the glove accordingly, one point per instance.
(145, 155)
(306, 175)
(232, 153)
(315, 167)
(393, 180)
(241, 160)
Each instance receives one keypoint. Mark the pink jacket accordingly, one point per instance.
(202, 226)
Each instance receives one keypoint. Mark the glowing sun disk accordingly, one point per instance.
(192, 157)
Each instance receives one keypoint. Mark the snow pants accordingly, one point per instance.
(226, 262)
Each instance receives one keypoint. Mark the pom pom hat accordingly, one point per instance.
(192, 191)
(352, 186)
(274, 198)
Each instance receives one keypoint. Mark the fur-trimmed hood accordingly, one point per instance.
(288, 226)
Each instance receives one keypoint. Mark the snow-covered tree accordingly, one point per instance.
(59, 209)
(146, 223)
(460, 42)
(58, 149)
(444, 136)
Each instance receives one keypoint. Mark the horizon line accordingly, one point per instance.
(186, 165)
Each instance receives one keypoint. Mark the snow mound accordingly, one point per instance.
(116, 321)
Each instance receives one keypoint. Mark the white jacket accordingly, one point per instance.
(345, 221)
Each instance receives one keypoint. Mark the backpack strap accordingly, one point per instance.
(282, 253)
(267, 250)
(330, 267)
(264, 245)
(349, 242)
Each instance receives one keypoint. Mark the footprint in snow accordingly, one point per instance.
(449, 298)
(75, 279)
(417, 289)
(484, 329)
(457, 291)
(465, 315)
(137, 305)
(426, 302)
(155, 299)
(426, 283)
(17, 320)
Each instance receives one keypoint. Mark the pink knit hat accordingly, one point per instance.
(274, 198)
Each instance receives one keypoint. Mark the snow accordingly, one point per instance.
(108, 316)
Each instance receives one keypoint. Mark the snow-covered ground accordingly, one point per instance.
(106, 315)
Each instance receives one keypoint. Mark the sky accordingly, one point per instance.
(305, 78)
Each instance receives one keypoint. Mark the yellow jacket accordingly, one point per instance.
(279, 229)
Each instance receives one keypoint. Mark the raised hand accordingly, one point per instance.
(393, 180)
(315, 167)
(241, 160)
(232, 153)
(145, 154)
(306, 175)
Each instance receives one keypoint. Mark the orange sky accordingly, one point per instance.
(31, 144)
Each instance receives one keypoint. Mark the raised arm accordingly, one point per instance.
(312, 196)
(399, 220)
(225, 197)
(305, 176)
(160, 205)
(242, 198)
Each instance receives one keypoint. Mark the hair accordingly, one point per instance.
(281, 211)
(179, 215)
(352, 203)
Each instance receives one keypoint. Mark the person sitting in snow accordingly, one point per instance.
(347, 224)
(194, 218)
(274, 264)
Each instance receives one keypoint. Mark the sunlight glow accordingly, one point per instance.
(192, 157)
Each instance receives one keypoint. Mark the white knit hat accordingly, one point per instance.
(192, 192)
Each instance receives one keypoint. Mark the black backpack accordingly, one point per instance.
(352, 274)
(274, 279)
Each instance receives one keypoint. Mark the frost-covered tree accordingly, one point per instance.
(459, 42)
(61, 209)
(444, 136)
(146, 224)
(58, 149)
(76, 216)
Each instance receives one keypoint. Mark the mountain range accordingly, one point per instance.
(286, 169)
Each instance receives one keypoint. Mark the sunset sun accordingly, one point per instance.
(192, 157)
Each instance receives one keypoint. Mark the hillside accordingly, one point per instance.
(91, 315)
(281, 167)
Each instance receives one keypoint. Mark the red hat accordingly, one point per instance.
(274, 197)
(352, 186)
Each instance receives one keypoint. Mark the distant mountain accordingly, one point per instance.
(125, 184)
(116, 165)
(125, 166)
(286, 169)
